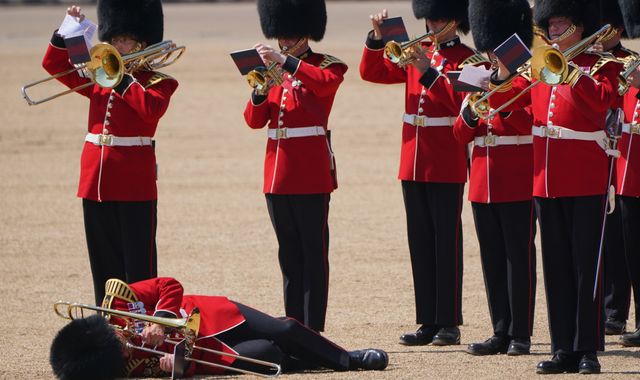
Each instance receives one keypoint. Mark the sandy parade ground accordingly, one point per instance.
(214, 232)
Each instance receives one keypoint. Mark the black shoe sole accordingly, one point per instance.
(439, 342)
(405, 343)
(478, 353)
(589, 372)
(518, 353)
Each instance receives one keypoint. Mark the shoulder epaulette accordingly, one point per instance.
(475, 59)
(605, 57)
(116, 288)
(329, 60)
(156, 78)
(526, 74)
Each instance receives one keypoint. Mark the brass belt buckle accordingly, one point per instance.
(419, 121)
(634, 129)
(105, 139)
(281, 133)
(490, 140)
(553, 132)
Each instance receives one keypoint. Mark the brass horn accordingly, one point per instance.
(623, 78)
(400, 52)
(263, 78)
(107, 67)
(549, 65)
(188, 327)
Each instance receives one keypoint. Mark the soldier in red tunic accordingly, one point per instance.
(628, 172)
(569, 183)
(433, 165)
(617, 287)
(90, 349)
(500, 190)
(299, 168)
(118, 163)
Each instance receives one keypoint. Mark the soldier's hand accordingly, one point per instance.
(596, 48)
(153, 334)
(634, 79)
(503, 72)
(75, 11)
(268, 54)
(376, 21)
(166, 363)
(421, 61)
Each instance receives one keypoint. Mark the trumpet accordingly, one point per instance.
(623, 78)
(106, 66)
(188, 327)
(400, 53)
(263, 78)
(550, 65)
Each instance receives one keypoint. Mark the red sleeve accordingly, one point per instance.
(462, 131)
(374, 67)
(257, 115)
(56, 60)
(163, 292)
(517, 85)
(150, 103)
(520, 120)
(322, 82)
(599, 92)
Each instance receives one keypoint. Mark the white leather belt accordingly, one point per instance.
(556, 132)
(285, 133)
(425, 121)
(111, 140)
(633, 129)
(494, 140)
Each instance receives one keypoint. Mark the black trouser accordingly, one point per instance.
(617, 287)
(630, 210)
(283, 341)
(302, 228)
(434, 229)
(506, 233)
(570, 229)
(121, 238)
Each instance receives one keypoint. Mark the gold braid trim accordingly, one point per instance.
(475, 60)
(329, 60)
(131, 365)
(603, 60)
(156, 78)
(115, 288)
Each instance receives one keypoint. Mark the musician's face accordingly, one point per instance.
(125, 44)
(557, 26)
(436, 25)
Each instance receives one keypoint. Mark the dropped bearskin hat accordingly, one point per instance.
(87, 348)
(142, 19)
(581, 12)
(631, 16)
(293, 18)
(443, 10)
(493, 21)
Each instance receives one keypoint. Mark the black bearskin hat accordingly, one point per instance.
(293, 18)
(493, 21)
(443, 10)
(631, 16)
(87, 348)
(610, 14)
(581, 12)
(141, 18)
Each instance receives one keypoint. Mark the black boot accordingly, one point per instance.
(369, 359)
(560, 363)
(631, 339)
(614, 327)
(447, 336)
(424, 335)
(519, 346)
(589, 364)
(497, 344)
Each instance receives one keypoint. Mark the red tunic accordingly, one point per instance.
(501, 173)
(299, 165)
(118, 173)
(428, 154)
(164, 296)
(569, 167)
(628, 164)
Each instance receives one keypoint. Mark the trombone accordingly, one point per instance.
(623, 78)
(550, 65)
(106, 66)
(188, 327)
(400, 53)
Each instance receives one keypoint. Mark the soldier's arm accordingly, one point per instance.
(56, 60)
(150, 100)
(323, 80)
